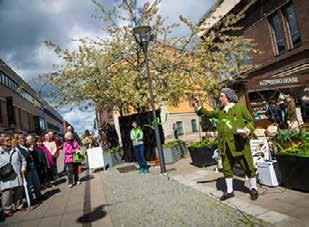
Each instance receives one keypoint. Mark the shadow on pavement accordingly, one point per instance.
(94, 215)
(238, 185)
(101, 169)
(60, 181)
(50, 193)
(86, 178)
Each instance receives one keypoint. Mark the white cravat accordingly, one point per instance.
(227, 107)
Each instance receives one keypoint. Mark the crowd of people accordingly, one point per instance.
(28, 165)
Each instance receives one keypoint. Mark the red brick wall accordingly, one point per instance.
(256, 27)
(302, 13)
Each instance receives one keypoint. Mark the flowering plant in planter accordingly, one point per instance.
(201, 153)
(174, 150)
(203, 143)
(293, 142)
(293, 159)
(171, 144)
(174, 143)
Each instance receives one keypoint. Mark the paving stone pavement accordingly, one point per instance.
(278, 206)
(83, 205)
(130, 199)
(155, 200)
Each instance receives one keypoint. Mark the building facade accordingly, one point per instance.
(21, 109)
(280, 30)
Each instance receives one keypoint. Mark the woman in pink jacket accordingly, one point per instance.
(70, 147)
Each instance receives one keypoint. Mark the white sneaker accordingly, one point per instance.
(78, 182)
(70, 185)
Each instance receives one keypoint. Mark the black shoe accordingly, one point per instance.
(227, 196)
(254, 194)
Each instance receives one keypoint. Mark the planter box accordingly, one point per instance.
(294, 171)
(112, 159)
(172, 154)
(202, 156)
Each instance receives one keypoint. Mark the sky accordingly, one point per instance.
(26, 24)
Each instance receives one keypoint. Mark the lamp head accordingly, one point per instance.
(142, 35)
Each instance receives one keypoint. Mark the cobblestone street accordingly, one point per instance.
(117, 199)
(156, 200)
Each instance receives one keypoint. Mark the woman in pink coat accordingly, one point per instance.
(70, 147)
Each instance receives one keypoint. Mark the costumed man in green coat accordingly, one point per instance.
(234, 125)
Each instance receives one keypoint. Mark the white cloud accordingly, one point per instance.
(81, 120)
(26, 25)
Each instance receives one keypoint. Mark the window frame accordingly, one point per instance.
(180, 131)
(273, 33)
(196, 125)
(288, 27)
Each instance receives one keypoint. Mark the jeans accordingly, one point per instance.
(72, 169)
(139, 151)
(33, 180)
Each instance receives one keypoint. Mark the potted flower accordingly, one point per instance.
(201, 153)
(112, 156)
(174, 150)
(293, 158)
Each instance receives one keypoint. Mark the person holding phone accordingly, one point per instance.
(234, 125)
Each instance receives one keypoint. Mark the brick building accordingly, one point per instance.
(21, 109)
(280, 30)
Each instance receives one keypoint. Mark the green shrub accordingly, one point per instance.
(172, 143)
(203, 143)
(113, 150)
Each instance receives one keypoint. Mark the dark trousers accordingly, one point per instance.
(55, 171)
(139, 151)
(33, 180)
(72, 170)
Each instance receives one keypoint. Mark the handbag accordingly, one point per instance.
(78, 157)
(7, 171)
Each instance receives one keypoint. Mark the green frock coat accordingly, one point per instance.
(237, 117)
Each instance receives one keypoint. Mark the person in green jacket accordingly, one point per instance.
(138, 147)
(234, 125)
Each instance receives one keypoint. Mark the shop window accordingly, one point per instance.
(291, 21)
(194, 125)
(179, 127)
(277, 34)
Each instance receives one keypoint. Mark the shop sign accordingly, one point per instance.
(288, 80)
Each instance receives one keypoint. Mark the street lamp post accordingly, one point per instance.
(142, 36)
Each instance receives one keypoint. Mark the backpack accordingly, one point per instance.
(7, 171)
